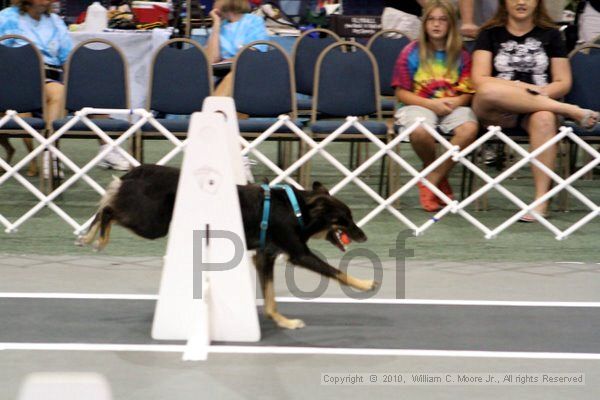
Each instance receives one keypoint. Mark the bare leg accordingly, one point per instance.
(542, 126)
(464, 135)
(494, 99)
(8, 148)
(225, 87)
(424, 145)
(54, 101)
(33, 169)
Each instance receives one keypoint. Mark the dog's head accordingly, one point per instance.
(332, 219)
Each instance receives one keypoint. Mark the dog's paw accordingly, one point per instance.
(366, 284)
(291, 323)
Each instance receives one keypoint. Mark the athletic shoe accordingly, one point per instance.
(429, 201)
(445, 187)
(114, 160)
(57, 167)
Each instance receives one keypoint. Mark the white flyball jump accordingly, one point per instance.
(218, 303)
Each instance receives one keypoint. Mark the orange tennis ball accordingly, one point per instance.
(345, 238)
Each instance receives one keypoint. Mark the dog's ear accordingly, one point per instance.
(319, 188)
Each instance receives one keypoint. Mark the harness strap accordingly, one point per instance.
(294, 202)
(264, 223)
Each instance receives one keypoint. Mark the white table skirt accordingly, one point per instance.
(139, 48)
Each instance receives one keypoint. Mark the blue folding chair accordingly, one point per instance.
(305, 53)
(263, 89)
(180, 80)
(386, 46)
(347, 84)
(585, 61)
(21, 83)
(95, 76)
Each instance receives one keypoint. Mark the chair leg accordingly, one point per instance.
(563, 152)
(351, 160)
(381, 177)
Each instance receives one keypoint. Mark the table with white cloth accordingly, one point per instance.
(139, 48)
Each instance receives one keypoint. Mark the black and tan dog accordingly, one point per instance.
(143, 199)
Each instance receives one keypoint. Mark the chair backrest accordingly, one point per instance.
(305, 53)
(96, 76)
(263, 81)
(346, 82)
(386, 46)
(585, 90)
(180, 78)
(21, 75)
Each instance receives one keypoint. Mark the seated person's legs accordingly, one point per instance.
(462, 122)
(542, 126)
(495, 101)
(423, 144)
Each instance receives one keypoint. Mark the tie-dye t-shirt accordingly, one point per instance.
(435, 82)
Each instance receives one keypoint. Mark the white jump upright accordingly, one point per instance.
(207, 202)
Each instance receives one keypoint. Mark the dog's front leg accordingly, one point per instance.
(314, 263)
(265, 265)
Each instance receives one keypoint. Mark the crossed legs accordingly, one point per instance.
(499, 104)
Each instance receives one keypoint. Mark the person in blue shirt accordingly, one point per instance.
(233, 28)
(33, 19)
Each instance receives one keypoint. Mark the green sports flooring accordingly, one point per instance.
(451, 239)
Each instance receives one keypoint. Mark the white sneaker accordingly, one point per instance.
(248, 163)
(57, 168)
(114, 160)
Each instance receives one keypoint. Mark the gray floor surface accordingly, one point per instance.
(152, 376)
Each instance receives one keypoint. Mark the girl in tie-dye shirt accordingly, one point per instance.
(432, 80)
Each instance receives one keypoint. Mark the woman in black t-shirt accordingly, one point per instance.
(520, 69)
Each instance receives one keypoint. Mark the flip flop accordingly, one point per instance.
(587, 116)
(528, 218)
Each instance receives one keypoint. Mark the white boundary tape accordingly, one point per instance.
(288, 350)
(320, 300)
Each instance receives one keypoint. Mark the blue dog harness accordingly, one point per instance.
(264, 224)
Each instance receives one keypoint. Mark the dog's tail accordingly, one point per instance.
(104, 217)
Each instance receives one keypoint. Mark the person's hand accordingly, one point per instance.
(451, 102)
(215, 14)
(469, 30)
(440, 107)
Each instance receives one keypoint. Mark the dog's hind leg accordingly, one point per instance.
(310, 261)
(106, 221)
(264, 266)
(90, 235)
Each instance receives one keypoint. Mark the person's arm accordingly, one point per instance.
(459, 101)
(213, 47)
(468, 27)
(481, 71)
(65, 43)
(561, 79)
(440, 107)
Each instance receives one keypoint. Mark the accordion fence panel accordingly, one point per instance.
(320, 148)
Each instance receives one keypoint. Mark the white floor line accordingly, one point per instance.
(569, 262)
(81, 296)
(321, 300)
(283, 350)
(501, 303)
